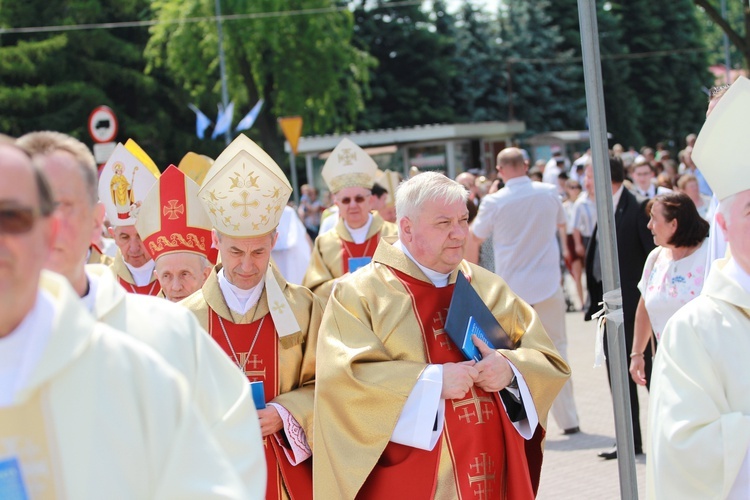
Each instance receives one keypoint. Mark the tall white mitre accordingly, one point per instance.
(722, 150)
(244, 193)
(349, 166)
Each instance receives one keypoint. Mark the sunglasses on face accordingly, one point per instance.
(357, 199)
(16, 220)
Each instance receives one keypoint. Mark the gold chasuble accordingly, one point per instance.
(332, 251)
(125, 278)
(382, 326)
(286, 366)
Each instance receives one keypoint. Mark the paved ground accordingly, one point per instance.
(571, 469)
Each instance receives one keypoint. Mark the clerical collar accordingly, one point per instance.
(21, 350)
(142, 275)
(359, 235)
(89, 300)
(735, 272)
(440, 280)
(239, 300)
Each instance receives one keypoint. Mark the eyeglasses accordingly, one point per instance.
(357, 199)
(714, 91)
(16, 220)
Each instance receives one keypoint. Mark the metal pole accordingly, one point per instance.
(592, 72)
(295, 183)
(223, 70)
(727, 59)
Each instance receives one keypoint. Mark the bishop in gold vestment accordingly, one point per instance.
(383, 331)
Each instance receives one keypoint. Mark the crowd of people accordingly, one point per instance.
(225, 344)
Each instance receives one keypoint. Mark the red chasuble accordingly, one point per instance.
(152, 288)
(351, 250)
(488, 455)
(254, 347)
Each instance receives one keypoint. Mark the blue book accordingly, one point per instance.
(357, 262)
(468, 347)
(259, 395)
(469, 314)
(11, 481)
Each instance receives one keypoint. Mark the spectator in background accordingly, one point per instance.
(672, 276)
(574, 262)
(688, 184)
(310, 209)
(634, 242)
(643, 181)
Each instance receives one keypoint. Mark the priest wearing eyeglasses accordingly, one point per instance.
(266, 326)
(350, 173)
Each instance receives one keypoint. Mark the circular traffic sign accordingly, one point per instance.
(102, 124)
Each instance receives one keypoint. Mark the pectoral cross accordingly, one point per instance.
(438, 323)
(254, 362)
(485, 474)
(476, 401)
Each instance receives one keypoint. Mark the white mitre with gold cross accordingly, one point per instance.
(245, 191)
(349, 166)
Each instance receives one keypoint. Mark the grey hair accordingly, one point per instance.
(47, 142)
(725, 207)
(424, 187)
(205, 262)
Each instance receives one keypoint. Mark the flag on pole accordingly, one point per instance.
(201, 121)
(249, 119)
(223, 120)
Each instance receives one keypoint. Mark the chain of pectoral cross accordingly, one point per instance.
(243, 365)
(364, 254)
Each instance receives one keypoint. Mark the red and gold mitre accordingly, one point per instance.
(172, 218)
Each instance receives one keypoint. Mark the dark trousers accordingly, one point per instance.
(632, 387)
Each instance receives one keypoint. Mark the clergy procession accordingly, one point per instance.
(176, 332)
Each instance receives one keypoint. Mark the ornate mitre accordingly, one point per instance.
(245, 191)
(390, 181)
(195, 166)
(722, 151)
(172, 218)
(123, 184)
(349, 166)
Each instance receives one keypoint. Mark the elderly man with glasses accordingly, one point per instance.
(350, 175)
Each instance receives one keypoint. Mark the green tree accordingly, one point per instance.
(411, 84)
(296, 55)
(667, 68)
(736, 26)
(477, 93)
(540, 95)
(54, 80)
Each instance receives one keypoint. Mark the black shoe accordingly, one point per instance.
(608, 454)
(572, 430)
(612, 453)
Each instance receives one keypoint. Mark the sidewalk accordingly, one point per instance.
(571, 469)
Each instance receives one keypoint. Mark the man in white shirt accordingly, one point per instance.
(84, 410)
(699, 415)
(525, 219)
